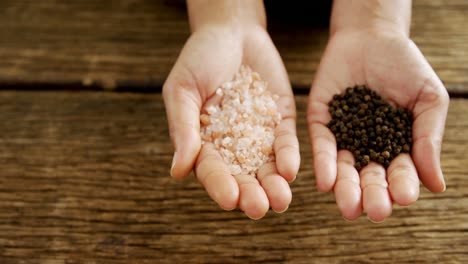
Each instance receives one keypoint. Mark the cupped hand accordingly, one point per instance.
(391, 64)
(211, 56)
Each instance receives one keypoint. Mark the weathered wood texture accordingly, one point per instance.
(133, 43)
(84, 179)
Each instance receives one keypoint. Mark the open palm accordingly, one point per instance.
(392, 65)
(211, 56)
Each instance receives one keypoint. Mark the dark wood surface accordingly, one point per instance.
(133, 43)
(84, 179)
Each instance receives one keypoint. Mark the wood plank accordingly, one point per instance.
(84, 178)
(134, 43)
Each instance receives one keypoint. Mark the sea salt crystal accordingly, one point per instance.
(242, 126)
(211, 109)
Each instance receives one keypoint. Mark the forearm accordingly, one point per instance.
(394, 15)
(236, 13)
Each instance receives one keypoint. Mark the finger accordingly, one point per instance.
(347, 189)
(188, 86)
(323, 142)
(252, 198)
(286, 147)
(403, 180)
(183, 114)
(276, 187)
(375, 197)
(430, 112)
(324, 152)
(214, 175)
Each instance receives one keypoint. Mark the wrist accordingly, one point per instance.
(376, 16)
(237, 15)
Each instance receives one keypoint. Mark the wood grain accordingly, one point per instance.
(84, 179)
(132, 44)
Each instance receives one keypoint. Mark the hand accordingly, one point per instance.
(211, 56)
(391, 64)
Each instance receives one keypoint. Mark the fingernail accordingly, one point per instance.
(280, 212)
(293, 179)
(255, 219)
(173, 164)
(442, 179)
(375, 222)
(228, 209)
(347, 220)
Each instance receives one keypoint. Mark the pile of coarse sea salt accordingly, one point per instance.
(242, 126)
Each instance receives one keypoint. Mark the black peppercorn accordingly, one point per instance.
(397, 150)
(365, 160)
(386, 154)
(380, 159)
(406, 148)
(386, 163)
(357, 165)
(339, 113)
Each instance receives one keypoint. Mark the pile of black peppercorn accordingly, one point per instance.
(369, 127)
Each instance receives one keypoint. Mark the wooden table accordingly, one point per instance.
(84, 175)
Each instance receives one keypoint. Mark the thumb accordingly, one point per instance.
(204, 63)
(430, 112)
(183, 103)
